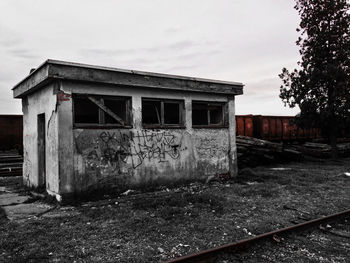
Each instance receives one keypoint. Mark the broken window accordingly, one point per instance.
(92, 110)
(162, 112)
(208, 114)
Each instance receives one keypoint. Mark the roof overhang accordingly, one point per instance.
(52, 70)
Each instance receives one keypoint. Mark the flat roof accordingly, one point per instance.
(52, 70)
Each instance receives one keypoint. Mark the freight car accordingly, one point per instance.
(273, 128)
(11, 132)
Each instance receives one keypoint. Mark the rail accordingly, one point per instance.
(207, 255)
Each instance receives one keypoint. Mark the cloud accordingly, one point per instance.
(8, 42)
(228, 40)
(172, 30)
(8, 105)
(168, 58)
(106, 52)
(177, 46)
(182, 45)
(264, 86)
(22, 53)
(262, 97)
(8, 38)
(180, 68)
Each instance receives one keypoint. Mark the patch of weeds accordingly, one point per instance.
(169, 212)
(34, 257)
(175, 203)
(3, 216)
(215, 202)
(294, 188)
(139, 223)
(263, 190)
(250, 175)
(319, 179)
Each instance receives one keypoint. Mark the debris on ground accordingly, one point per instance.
(253, 152)
(128, 192)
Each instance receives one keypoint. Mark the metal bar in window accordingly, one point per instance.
(222, 115)
(128, 111)
(180, 112)
(208, 114)
(107, 110)
(162, 112)
(101, 115)
(158, 116)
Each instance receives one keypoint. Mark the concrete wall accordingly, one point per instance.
(98, 158)
(42, 101)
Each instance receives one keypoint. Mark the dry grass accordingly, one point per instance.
(153, 227)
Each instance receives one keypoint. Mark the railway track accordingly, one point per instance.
(233, 248)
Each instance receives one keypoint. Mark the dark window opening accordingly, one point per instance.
(160, 112)
(199, 114)
(151, 111)
(91, 110)
(208, 114)
(215, 114)
(85, 111)
(171, 113)
(117, 106)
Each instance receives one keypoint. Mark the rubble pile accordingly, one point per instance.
(253, 152)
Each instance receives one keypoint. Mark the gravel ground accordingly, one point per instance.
(167, 223)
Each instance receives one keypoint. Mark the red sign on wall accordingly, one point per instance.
(61, 96)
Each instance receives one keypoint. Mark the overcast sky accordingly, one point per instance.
(233, 40)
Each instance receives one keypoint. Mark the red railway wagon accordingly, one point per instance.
(281, 128)
(244, 125)
(11, 132)
(273, 128)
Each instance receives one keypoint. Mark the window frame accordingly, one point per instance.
(102, 113)
(162, 124)
(224, 112)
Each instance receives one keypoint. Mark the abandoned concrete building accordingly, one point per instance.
(90, 127)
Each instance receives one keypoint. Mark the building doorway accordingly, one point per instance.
(41, 151)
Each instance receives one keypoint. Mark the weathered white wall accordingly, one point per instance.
(98, 158)
(42, 101)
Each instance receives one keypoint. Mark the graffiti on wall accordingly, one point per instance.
(209, 147)
(113, 149)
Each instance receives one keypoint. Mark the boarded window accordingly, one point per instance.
(92, 110)
(208, 114)
(162, 112)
